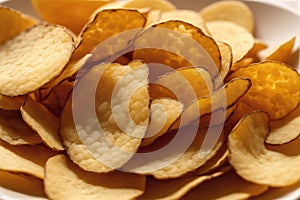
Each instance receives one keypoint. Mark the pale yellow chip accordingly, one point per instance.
(14, 130)
(163, 113)
(100, 29)
(43, 122)
(65, 180)
(226, 62)
(228, 186)
(183, 84)
(22, 183)
(33, 58)
(235, 11)
(75, 13)
(174, 188)
(283, 52)
(122, 109)
(13, 22)
(275, 87)
(25, 159)
(239, 38)
(162, 5)
(254, 162)
(11, 103)
(286, 129)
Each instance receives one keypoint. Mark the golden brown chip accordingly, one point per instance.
(244, 62)
(254, 162)
(12, 23)
(163, 113)
(177, 44)
(162, 5)
(14, 130)
(184, 84)
(283, 52)
(228, 186)
(235, 11)
(11, 103)
(75, 13)
(122, 109)
(24, 158)
(99, 29)
(33, 58)
(275, 87)
(239, 39)
(286, 129)
(174, 188)
(65, 180)
(256, 50)
(22, 183)
(43, 122)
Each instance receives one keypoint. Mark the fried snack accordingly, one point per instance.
(87, 185)
(33, 58)
(11, 103)
(283, 52)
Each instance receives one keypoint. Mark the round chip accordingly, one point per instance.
(33, 58)
(275, 88)
(239, 39)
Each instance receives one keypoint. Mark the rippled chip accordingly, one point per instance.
(254, 162)
(283, 52)
(121, 105)
(22, 183)
(14, 130)
(183, 84)
(178, 41)
(43, 122)
(24, 159)
(227, 186)
(76, 14)
(13, 22)
(275, 88)
(65, 180)
(174, 188)
(99, 29)
(239, 39)
(235, 11)
(41, 53)
(286, 129)
(163, 113)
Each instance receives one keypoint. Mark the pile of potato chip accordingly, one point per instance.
(255, 95)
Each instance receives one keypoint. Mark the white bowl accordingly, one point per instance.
(275, 23)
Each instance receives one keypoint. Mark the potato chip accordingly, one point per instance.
(11, 103)
(256, 50)
(123, 133)
(286, 129)
(283, 52)
(65, 180)
(239, 39)
(232, 91)
(163, 113)
(174, 188)
(183, 84)
(99, 29)
(227, 186)
(15, 20)
(162, 5)
(76, 13)
(226, 61)
(177, 46)
(244, 62)
(252, 159)
(14, 130)
(24, 158)
(43, 122)
(22, 183)
(275, 88)
(235, 11)
(47, 48)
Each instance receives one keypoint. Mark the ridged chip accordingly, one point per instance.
(43, 122)
(257, 163)
(33, 58)
(65, 180)
(275, 87)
